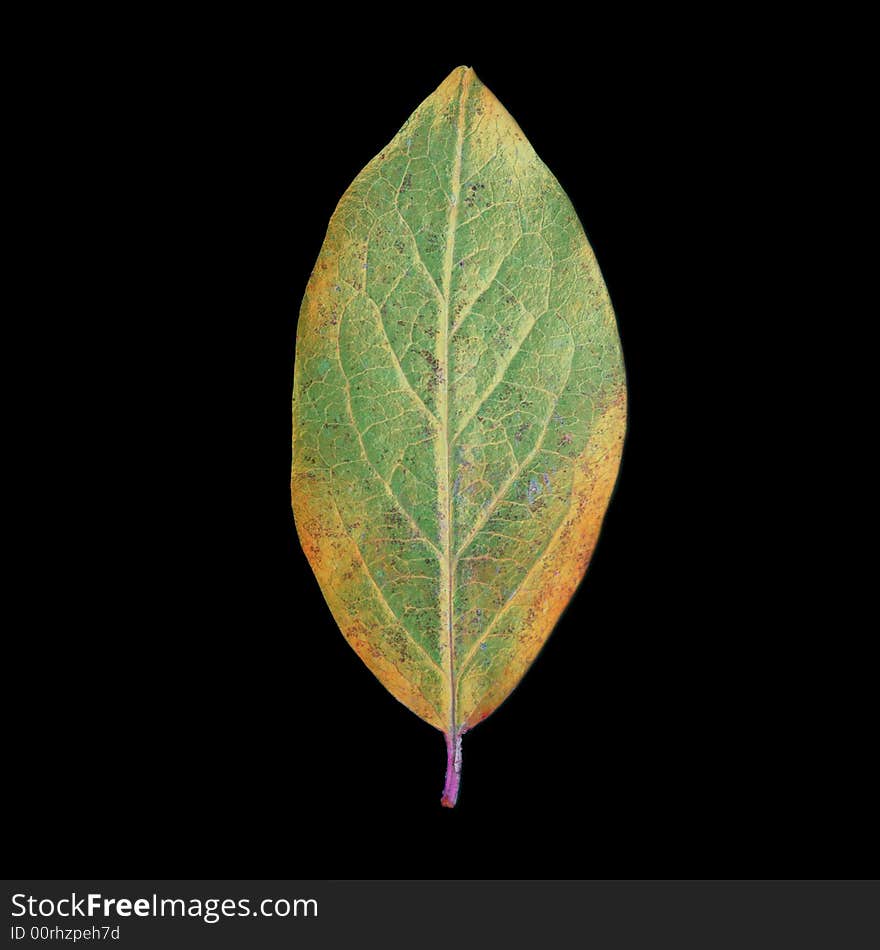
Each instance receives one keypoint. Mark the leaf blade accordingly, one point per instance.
(459, 409)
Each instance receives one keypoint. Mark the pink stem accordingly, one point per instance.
(453, 770)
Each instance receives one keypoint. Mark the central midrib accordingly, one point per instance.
(443, 447)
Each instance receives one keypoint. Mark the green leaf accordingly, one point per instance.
(459, 410)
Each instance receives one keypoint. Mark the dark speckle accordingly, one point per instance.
(534, 489)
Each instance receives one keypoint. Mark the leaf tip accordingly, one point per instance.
(460, 72)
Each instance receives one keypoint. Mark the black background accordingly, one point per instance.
(183, 702)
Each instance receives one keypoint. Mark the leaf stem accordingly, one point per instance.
(453, 769)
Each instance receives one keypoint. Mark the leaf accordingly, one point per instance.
(458, 411)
